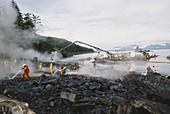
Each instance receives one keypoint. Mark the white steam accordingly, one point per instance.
(109, 70)
(105, 71)
(15, 43)
(12, 39)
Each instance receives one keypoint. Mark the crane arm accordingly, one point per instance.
(84, 44)
(67, 46)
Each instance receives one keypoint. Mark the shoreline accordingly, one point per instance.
(135, 93)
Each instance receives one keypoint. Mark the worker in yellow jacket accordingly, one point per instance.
(51, 68)
(40, 67)
(154, 69)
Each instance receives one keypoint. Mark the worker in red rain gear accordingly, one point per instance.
(26, 71)
(62, 71)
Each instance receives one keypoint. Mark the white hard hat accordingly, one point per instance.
(24, 65)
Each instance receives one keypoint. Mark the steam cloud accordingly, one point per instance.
(15, 43)
(12, 39)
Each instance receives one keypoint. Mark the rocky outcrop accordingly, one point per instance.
(9, 105)
(135, 93)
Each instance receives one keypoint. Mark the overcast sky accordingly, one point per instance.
(102, 22)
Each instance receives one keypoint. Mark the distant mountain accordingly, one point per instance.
(148, 47)
(158, 46)
(128, 48)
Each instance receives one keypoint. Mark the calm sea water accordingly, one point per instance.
(162, 67)
(140, 67)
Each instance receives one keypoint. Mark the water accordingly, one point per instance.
(162, 67)
(112, 69)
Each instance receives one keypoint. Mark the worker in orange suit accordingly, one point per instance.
(26, 71)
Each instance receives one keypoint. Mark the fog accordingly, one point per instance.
(16, 43)
(117, 69)
(108, 69)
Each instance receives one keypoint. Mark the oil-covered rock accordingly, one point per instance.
(135, 93)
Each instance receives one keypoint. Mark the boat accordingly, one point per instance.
(136, 55)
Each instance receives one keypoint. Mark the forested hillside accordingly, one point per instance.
(44, 44)
(50, 44)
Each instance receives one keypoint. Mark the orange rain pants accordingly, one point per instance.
(26, 71)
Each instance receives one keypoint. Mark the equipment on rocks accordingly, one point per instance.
(55, 72)
(84, 44)
(13, 106)
(16, 74)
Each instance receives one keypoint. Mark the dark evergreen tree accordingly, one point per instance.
(25, 21)
(42, 44)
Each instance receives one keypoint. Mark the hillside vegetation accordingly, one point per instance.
(44, 44)
(50, 44)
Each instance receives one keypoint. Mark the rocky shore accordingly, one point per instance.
(73, 94)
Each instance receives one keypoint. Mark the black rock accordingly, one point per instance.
(135, 93)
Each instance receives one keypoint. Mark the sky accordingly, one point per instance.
(102, 22)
